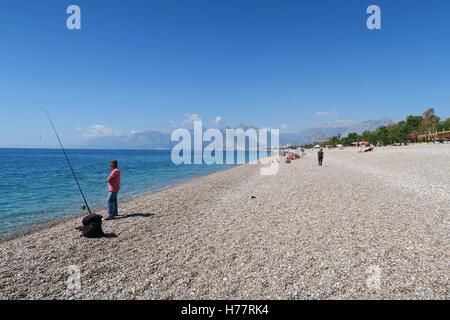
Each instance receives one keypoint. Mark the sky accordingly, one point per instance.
(153, 65)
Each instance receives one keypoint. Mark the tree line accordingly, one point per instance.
(403, 132)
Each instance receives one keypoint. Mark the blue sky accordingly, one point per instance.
(145, 65)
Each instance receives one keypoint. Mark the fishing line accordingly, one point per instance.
(68, 161)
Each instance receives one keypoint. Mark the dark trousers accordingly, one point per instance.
(113, 209)
(320, 161)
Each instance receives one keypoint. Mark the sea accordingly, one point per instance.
(37, 185)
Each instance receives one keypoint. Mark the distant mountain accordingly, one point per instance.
(148, 140)
(157, 140)
(369, 125)
(331, 129)
(140, 140)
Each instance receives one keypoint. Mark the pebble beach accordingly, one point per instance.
(364, 226)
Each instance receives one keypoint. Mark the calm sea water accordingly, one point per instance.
(37, 185)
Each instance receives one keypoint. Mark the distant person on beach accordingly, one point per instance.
(113, 190)
(320, 155)
(303, 152)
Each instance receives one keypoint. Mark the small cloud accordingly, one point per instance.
(100, 131)
(134, 131)
(323, 114)
(284, 127)
(191, 118)
(172, 124)
(218, 121)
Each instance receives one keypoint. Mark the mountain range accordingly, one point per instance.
(158, 140)
(330, 129)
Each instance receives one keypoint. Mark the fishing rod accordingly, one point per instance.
(70, 165)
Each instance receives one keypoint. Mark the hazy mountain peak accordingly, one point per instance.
(330, 129)
(157, 140)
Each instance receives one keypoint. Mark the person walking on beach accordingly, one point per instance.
(113, 190)
(320, 155)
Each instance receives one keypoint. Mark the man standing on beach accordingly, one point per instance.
(113, 190)
(320, 155)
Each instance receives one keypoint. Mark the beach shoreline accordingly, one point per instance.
(363, 226)
(37, 227)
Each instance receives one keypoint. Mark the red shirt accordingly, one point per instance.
(114, 181)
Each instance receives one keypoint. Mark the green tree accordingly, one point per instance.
(430, 120)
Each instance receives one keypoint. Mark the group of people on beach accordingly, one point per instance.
(292, 155)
